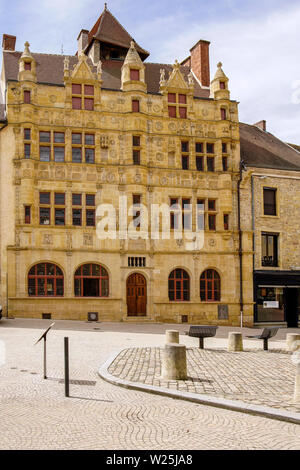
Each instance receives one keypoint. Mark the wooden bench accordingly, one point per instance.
(266, 334)
(202, 332)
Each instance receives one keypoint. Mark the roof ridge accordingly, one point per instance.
(159, 63)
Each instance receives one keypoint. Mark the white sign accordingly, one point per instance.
(271, 304)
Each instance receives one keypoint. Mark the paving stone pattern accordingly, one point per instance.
(256, 377)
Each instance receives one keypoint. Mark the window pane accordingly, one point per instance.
(59, 287)
(27, 98)
(89, 104)
(76, 103)
(89, 155)
(90, 199)
(269, 201)
(89, 139)
(135, 106)
(225, 163)
(185, 162)
(44, 198)
(41, 269)
(77, 287)
(76, 155)
(76, 89)
(59, 137)
(45, 154)
(199, 147)
(59, 154)
(44, 136)
(76, 138)
(59, 199)
(210, 164)
(59, 216)
(136, 157)
(184, 146)
(211, 204)
(172, 97)
(172, 111)
(182, 99)
(50, 269)
(104, 287)
(134, 74)
(77, 217)
(27, 150)
(95, 270)
(89, 90)
(86, 270)
(31, 286)
(210, 148)
(136, 140)
(223, 114)
(90, 217)
(182, 113)
(44, 216)
(224, 147)
(27, 65)
(41, 286)
(76, 199)
(199, 163)
(27, 134)
(211, 222)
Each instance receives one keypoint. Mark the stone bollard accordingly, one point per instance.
(290, 339)
(172, 336)
(174, 362)
(235, 342)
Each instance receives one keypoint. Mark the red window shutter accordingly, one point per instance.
(222, 85)
(223, 114)
(134, 74)
(76, 103)
(172, 111)
(26, 96)
(27, 65)
(89, 90)
(76, 89)
(182, 113)
(89, 104)
(135, 106)
(182, 99)
(172, 97)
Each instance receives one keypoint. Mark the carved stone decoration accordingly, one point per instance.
(87, 239)
(159, 157)
(104, 141)
(47, 239)
(179, 242)
(211, 242)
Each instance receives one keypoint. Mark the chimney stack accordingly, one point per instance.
(199, 62)
(8, 42)
(82, 40)
(262, 125)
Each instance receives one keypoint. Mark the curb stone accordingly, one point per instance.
(259, 410)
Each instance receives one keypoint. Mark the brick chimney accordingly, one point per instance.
(262, 125)
(199, 62)
(82, 40)
(8, 42)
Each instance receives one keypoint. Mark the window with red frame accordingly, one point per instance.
(179, 286)
(91, 280)
(134, 74)
(45, 280)
(210, 286)
(177, 105)
(27, 96)
(83, 96)
(135, 106)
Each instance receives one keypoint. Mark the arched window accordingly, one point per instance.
(91, 280)
(210, 286)
(45, 280)
(179, 285)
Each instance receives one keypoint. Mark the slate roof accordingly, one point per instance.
(261, 149)
(50, 70)
(108, 29)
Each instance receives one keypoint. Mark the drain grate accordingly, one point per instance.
(79, 382)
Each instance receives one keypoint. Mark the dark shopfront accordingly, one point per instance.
(277, 297)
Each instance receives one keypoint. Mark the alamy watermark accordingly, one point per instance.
(162, 221)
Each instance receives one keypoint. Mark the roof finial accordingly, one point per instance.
(105, 6)
(219, 65)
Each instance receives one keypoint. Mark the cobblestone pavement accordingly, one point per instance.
(256, 377)
(34, 414)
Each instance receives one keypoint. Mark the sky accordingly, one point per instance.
(257, 42)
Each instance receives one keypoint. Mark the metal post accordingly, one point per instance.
(201, 343)
(265, 344)
(66, 349)
(45, 357)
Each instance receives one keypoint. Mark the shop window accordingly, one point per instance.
(270, 304)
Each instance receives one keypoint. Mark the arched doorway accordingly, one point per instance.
(136, 288)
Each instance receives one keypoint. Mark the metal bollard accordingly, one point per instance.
(67, 379)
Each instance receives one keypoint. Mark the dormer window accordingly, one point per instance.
(177, 105)
(134, 74)
(82, 96)
(222, 85)
(27, 65)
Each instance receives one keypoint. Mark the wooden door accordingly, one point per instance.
(136, 295)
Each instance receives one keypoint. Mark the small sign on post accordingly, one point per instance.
(44, 336)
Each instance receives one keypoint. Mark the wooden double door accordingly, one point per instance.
(136, 288)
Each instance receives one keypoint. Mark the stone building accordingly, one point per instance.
(78, 132)
(270, 208)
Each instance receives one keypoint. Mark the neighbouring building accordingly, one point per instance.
(270, 195)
